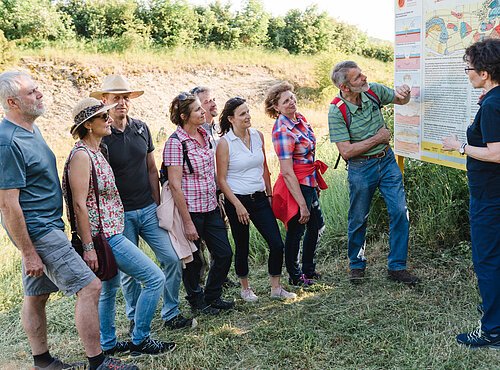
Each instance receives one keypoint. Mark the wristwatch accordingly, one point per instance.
(461, 150)
(88, 246)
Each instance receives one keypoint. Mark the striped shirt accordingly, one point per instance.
(295, 140)
(198, 187)
(365, 120)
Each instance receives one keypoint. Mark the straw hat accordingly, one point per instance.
(116, 84)
(84, 110)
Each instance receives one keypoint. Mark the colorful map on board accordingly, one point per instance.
(450, 31)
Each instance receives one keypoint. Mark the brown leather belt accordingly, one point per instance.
(381, 154)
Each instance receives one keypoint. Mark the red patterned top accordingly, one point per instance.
(111, 208)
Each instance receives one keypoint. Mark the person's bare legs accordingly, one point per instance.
(87, 317)
(275, 282)
(34, 322)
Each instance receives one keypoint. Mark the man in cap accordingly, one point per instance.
(130, 150)
(31, 208)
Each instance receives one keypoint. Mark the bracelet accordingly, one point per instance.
(269, 196)
(87, 247)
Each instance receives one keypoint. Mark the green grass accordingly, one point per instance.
(379, 325)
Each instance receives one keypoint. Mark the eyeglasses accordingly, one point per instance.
(103, 116)
(467, 69)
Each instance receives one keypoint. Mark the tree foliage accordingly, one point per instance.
(33, 21)
(118, 25)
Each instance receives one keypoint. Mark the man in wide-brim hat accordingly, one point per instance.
(130, 149)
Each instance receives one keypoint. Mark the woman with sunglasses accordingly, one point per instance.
(189, 158)
(296, 191)
(482, 149)
(91, 124)
(243, 177)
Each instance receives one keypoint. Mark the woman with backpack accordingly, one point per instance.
(189, 159)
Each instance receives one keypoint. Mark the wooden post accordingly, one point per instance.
(400, 160)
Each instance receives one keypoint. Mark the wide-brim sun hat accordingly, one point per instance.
(85, 109)
(116, 84)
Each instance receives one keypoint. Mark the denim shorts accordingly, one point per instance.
(64, 269)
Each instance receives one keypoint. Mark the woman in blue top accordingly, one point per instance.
(243, 177)
(483, 171)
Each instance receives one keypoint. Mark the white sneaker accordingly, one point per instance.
(248, 295)
(280, 293)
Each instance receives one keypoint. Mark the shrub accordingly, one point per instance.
(6, 51)
(34, 22)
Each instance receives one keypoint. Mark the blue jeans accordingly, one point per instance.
(365, 176)
(144, 223)
(312, 235)
(261, 214)
(135, 263)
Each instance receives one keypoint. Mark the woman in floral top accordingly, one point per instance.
(91, 124)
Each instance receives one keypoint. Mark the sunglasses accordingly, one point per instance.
(184, 96)
(467, 69)
(103, 116)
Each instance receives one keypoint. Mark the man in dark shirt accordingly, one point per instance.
(130, 149)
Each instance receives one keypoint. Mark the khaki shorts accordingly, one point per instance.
(64, 269)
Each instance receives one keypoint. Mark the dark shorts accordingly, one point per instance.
(64, 269)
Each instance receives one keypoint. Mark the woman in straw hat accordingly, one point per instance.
(91, 124)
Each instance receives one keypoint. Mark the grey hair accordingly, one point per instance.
(340, 71)
(9, 86)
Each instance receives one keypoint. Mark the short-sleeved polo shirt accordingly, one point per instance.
(365, 120)
(28, 164)
(484, 177)
(128, 151)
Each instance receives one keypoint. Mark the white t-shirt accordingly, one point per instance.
(246, 166)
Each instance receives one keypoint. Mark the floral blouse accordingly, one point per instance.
(110, 204)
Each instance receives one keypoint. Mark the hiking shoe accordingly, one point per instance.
(179, 322)
(120, 347)
(357, 276)
(402, 276)
(314, 276)
(59, 365)
(248, 295)
(480, 309)
(479, 339)
(302, 281)
(221, 304)
(151, 347)
(205, 309)
(228, 283)
(111, 363)
(280, 293)
(131, 327)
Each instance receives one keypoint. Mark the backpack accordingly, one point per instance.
(185, 159)
(370, 94)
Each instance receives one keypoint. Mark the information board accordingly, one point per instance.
(430, 40)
